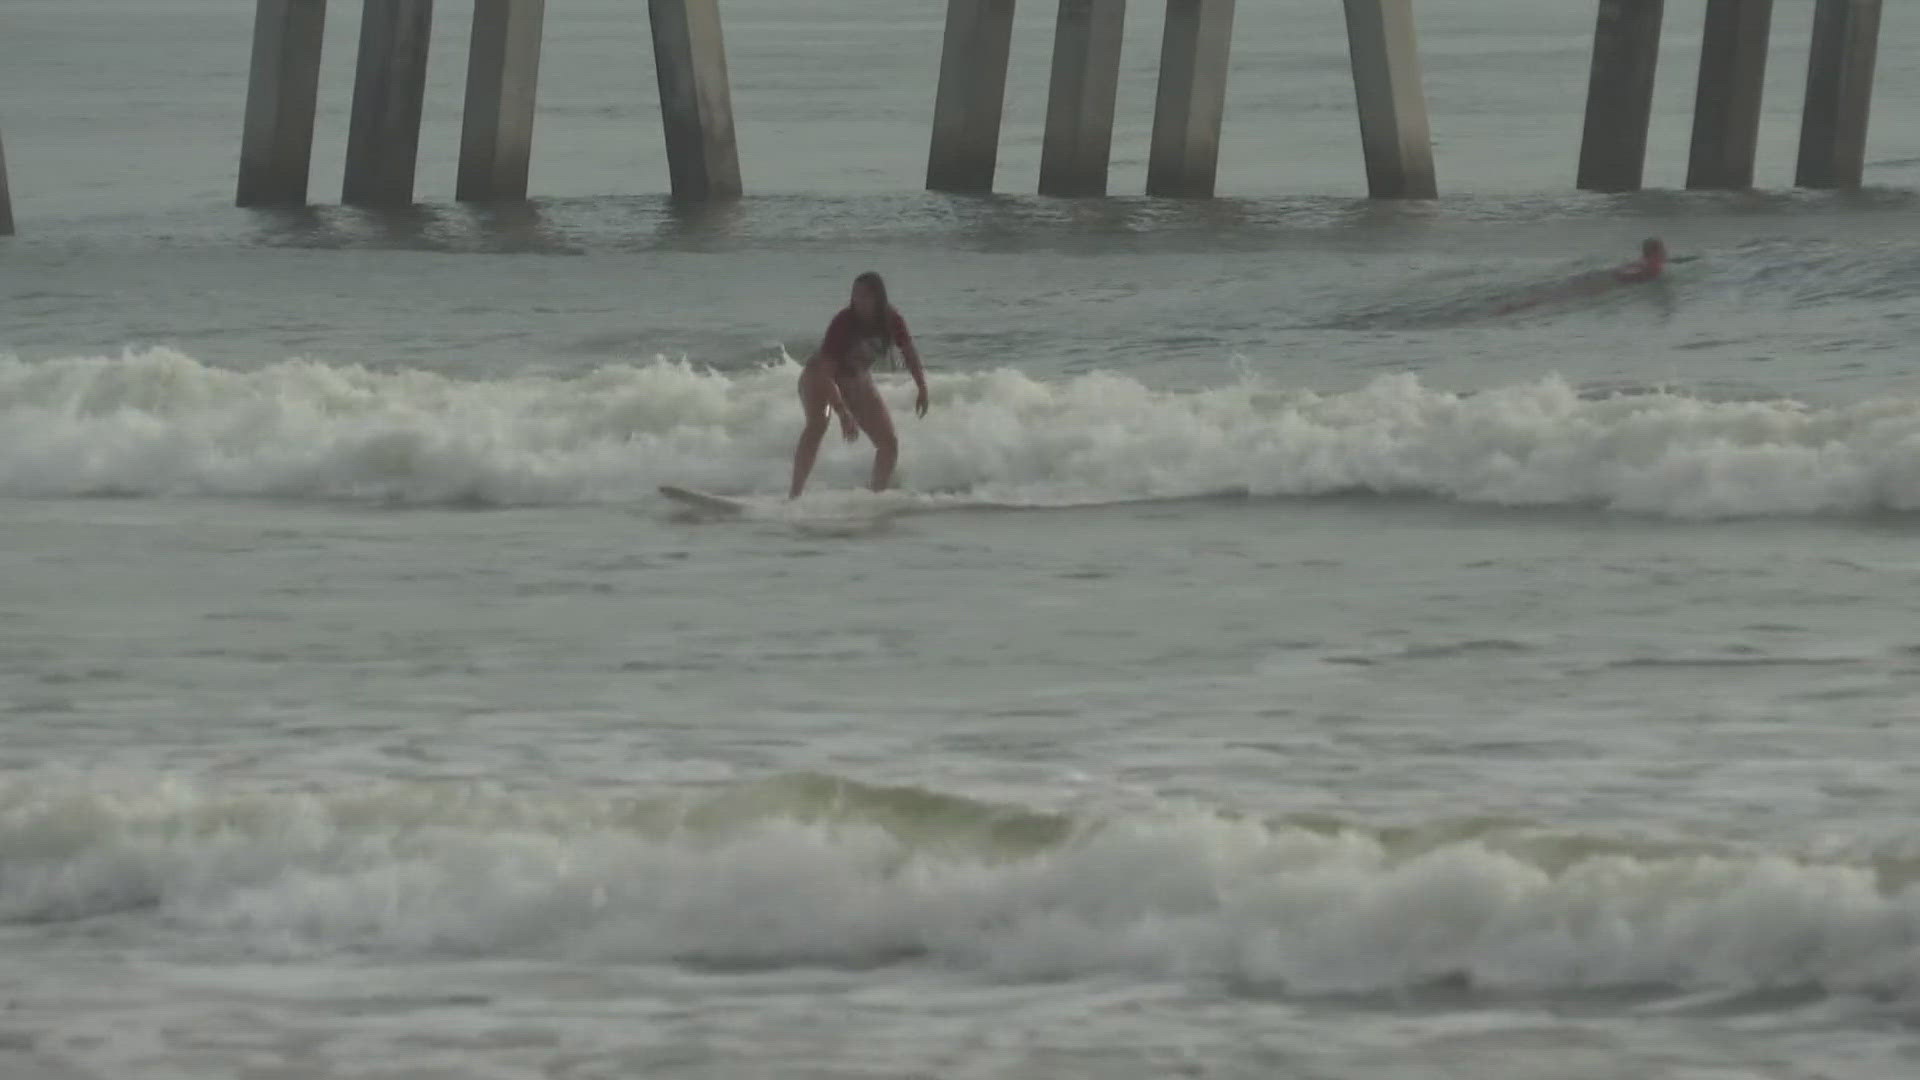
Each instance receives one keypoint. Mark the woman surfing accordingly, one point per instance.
(838, 378)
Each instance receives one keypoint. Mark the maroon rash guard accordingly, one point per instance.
(850, 352)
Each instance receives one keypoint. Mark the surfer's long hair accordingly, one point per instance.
(878, 328)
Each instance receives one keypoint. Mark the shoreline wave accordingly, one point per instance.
(793, 871)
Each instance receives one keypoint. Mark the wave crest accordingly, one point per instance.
(158, 423)
(818, 870)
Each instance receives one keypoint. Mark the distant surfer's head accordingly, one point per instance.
(870, 304)
(1654, 250)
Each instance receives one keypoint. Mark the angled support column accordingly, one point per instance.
(1726, 110)
(1833, 129)
(389, 93)
(503, 74)
(971, 97)
(283, 89)
(1626, 53)
(6, 199)
(1392, 101)
(1086, 79)
(1192, 98)
(696, 100)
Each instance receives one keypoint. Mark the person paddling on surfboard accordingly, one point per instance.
(1651, 264)
(839, 377)
(1648, 267)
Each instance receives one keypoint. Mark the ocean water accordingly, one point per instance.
(1275, 662)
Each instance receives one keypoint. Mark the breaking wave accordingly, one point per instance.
(798, 870)
(159, 423)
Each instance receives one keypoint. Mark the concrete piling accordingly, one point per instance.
(1086, 80)
(1726, 110)
(1833, 129)
(283, 89)
(503, 74)
(389, 93)
(696, 100)
(1185, 156)
(971, 97)
(1626, 53)
(6, 198)
(1392, 102)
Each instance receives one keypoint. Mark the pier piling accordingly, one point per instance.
(1833, 129)
(389, 93)
(971, 97)
(696, 100)
(1086, 80)
(1626, 53)
(1726, 110)
(283, 88)
(1192, 99)
(1392, 102)
(6, 199)
(503, 75)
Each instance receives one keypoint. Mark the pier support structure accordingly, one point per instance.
(1192, 99)
(6, 199)
(1393, 105)
(389, 93)
(971, 97)
(503, 75)
(1086, 80)
(1626, 53)
(1833, 129)
(1726, 109)
(283, 89)
(696, 100)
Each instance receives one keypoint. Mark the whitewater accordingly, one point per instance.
(810, 870)
(1351, 685)
(1282, 657)
(159, 423)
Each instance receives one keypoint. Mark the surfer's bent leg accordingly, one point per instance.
(870, 409)
(815, 401)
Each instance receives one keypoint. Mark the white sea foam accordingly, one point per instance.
(159, 423)
(813, 870)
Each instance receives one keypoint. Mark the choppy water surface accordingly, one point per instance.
(1278, 661)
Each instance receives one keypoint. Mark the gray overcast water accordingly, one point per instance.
(1277, 661)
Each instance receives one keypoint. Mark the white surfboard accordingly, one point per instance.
(825, 508)
(700, 500)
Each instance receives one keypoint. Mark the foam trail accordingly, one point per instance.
(808, 870)
(159, 423)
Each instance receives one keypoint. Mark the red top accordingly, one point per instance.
(845, 346)
(1646, 269)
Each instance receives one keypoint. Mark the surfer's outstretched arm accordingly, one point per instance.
(821, 371)
(819, 394)
(822, 396)
(919, 372)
